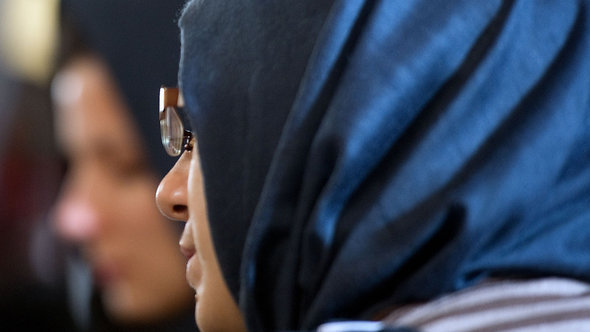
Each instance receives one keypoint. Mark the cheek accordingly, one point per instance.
(145, 228)
(155, 274)
(137, 201)
(198, 212)
(216, 309)
(142, 221)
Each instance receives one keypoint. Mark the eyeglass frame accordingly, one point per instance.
(170, 98)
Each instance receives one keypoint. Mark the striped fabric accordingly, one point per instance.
(550, 304)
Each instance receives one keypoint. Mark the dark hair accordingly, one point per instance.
(71, 42)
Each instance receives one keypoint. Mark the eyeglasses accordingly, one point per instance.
(174, 136)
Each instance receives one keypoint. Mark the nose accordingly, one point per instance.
(76, 219)
(171, 196)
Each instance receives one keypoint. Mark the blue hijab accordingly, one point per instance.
(358, 155)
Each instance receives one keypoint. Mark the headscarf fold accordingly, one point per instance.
(390, 151)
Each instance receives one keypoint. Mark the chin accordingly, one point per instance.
(216, 320)
(122, 306)
(205, 322)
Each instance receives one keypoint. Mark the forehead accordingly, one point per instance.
(88, 105)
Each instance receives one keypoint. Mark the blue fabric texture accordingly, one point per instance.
(364, 154)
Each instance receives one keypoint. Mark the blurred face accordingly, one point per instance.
(215, 308)
(107, 205)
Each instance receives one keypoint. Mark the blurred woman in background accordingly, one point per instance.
(114, 56)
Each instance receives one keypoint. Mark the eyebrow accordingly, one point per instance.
(110, 148)
(103, 148)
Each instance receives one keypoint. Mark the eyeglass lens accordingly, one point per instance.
(172, 130)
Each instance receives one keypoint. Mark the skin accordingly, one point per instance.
(180, 196)
(106, 206)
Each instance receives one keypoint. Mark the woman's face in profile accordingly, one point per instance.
(106, 206)
(181, 197)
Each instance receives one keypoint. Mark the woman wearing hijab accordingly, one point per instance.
(421, 164)
(115, 55)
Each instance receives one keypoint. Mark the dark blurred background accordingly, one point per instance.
(30, 265)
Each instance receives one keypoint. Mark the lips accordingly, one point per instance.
(188, 253)
(193, 264)
(193, 272)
